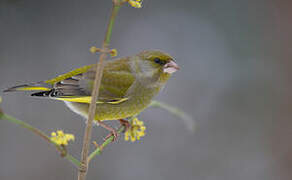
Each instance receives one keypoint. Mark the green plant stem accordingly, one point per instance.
(73, 160)
(91, 114)
(115, 11)
(177, 112)
(188, 120)
(99, 149)
(36, 131)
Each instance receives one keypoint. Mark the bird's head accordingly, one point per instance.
(157, 62)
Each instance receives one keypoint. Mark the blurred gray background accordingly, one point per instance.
(235, 80)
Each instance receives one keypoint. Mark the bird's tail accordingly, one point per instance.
(40, 86)
(45, 88)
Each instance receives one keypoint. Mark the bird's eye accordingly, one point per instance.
(159, 61)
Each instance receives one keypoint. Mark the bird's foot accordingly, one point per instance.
(126, 124)
(113, 132)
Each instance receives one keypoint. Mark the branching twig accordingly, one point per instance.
(36, 131)
(179, 113)
(99, 70)
(99, 149)
(85, 159)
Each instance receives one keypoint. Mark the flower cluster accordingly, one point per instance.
(112, 52)
(135, 3)
(61, 138)
(136, 130)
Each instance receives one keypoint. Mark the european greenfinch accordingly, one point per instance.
(127, 87)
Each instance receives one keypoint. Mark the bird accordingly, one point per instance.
(128, 86)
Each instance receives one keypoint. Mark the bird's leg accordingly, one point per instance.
(112, 130)
(125, 123)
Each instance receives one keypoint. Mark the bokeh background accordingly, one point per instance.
(235, 80)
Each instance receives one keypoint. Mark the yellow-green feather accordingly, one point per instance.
(69, 74)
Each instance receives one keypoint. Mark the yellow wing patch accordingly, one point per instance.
(32, 89)
(69, 74)
(87, 99)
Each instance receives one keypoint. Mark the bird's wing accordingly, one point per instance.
(116, 80)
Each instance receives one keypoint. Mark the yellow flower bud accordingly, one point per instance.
(61, 138)
(94, 49)
(135, 3)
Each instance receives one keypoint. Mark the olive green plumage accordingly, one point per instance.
(127, 87)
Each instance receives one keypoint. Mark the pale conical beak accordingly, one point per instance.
(170, 67)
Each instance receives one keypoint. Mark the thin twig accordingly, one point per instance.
(91, 114)
(36, 131)
(179, 113)
(99, 149)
